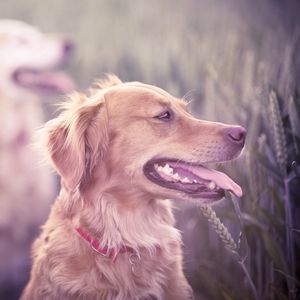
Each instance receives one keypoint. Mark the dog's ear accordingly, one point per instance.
(78, 138)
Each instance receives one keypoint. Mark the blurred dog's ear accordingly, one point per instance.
(78, 138)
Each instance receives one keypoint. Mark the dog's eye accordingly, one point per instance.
(165, 116)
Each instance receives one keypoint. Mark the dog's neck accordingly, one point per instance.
(142, 225)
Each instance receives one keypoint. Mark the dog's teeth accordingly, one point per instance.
(160, 168)
(211, 185)
(195, 181)
(186, 180)
(176, 176)
(167, 170)
(166, 167)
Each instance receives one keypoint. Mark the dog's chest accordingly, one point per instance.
(131, 275)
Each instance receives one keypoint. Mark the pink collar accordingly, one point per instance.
(105, 251)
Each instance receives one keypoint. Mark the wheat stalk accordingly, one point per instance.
(228, 240)
(281, 155)
(278, 131)
(220, 228)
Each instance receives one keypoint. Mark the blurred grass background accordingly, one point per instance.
(239, 62)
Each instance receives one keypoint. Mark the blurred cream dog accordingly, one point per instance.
(27, 59)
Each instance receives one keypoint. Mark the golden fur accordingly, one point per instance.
(99, 145)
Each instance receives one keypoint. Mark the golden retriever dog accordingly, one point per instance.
(27, 189)
(121, 152)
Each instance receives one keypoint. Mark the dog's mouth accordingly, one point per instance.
(197, 181)
(43, 81)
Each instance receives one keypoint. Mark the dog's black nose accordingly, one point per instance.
(68, 46)
(236, 134)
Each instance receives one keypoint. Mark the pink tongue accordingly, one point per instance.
(221, 179)
(58, 80)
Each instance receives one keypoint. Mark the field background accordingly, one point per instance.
(239, 62)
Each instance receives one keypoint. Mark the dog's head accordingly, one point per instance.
(28, 58)
(133, 138)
